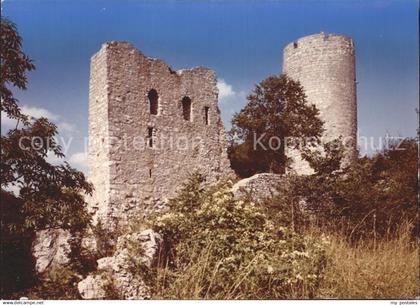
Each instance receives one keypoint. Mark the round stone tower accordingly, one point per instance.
(324, 64)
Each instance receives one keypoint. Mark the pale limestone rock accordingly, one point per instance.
(51, 249)
(89, 242)
(92, 287)
(149, 240)
(119, 267)
(106, 263)
(258, 187)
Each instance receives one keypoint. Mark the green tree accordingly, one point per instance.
(277, 111)
(49, 196)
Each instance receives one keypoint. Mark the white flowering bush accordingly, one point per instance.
(219, 247)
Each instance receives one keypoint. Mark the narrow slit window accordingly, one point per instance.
(153, 101)
(150, 136)
(150, 173)
(206, 115)
(186, 108)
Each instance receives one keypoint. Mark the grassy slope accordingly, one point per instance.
(387, 269)
(367, 269)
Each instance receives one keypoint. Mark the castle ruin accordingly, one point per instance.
(149, 127)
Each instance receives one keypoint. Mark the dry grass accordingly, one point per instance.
(386, 269)
(193, 281)
(367, 269)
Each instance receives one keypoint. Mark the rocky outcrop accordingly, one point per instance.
(89, 242)
(124, 271)
(93, 287)
(51, 249)
(258, 187)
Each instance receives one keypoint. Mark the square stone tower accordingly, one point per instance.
(149, 128)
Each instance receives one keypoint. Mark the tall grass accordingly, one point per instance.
(364, 269)
(197, 281)
(372, 269)
(190, 281)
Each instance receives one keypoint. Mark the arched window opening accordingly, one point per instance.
(206, 115)
(153, 101)
(186, 108)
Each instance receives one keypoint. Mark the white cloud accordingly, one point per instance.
(78, 159)
(53, 159)
(66, 127)
(36, 113)
(225, 90)
(7, 122)
(33, 112)
(230, 100)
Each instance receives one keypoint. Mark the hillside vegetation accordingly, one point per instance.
(354, 236)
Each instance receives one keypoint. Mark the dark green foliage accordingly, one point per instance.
(14, 65)
(51, 193)
(60, 285)
(48, 196)
(105, 240)
(328, 160)
(288, 209)
(277, 111)
(244, 160)
(16, 262)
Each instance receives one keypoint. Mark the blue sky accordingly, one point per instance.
(241, 40)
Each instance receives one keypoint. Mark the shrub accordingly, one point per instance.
(370, 198)
(219, 247)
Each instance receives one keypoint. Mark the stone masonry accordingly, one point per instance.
(258, 187)
(324, 64)
(149, 128)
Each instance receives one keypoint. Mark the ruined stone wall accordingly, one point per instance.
(324, 64)
(142, 178)
(98, 157)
